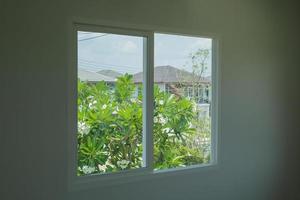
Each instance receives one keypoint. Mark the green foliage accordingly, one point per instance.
(110, 128)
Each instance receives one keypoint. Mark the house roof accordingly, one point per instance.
(110, 73)
(85, 75)
(162, 74)
(170, 74)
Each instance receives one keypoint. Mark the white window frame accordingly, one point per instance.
(147, 171)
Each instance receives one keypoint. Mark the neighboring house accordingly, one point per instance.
(169, 79)
(182, 83)
(93, 77)
(110, 73)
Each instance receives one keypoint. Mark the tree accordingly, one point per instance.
(110, 128)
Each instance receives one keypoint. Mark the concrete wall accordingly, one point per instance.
(259, 139)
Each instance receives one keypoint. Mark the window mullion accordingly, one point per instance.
(148, 101)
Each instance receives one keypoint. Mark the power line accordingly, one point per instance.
(112, 65)
(99, 67)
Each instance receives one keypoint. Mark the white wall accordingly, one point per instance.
(259, 151)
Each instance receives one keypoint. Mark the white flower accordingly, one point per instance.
(160, 119)
(160, 102)
(104, 106)
(139, 101)
(90, 97)
(123, 163)
(108, 163)
(163, 120)
(115, 112)
(102, 167)
(133, 100)
(83, 128)
(166, 129)
(170, 135)
(92, 104)
(87, 169)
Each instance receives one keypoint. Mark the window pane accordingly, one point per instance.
(109, 102)
(182, 116)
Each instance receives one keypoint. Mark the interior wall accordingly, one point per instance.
(259, 138)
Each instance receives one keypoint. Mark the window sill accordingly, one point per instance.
(137, 175)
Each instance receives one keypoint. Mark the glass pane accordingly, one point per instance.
(182, 116)
(109, 102)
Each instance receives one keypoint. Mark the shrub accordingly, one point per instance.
(110, 128)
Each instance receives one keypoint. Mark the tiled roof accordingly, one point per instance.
(85, 75)
(110, 73)
(170, 74)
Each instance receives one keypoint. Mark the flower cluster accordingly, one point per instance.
(83, 128)
(160, 119)
(123, 164)
(92, 102)
(107, 164)
(87, 169)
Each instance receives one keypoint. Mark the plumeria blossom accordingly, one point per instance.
(133, 100)
(166, 130)
(115, 112)
(102, 167)
(104, 106)
(123, 163)
(139, 101)
(162, 119)
(90, 97)
(92, 104)
(155, 120)
(170, 135)
(88, 170)
(108, 163)
(83, 128)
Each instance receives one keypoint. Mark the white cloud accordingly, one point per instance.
(129, 47)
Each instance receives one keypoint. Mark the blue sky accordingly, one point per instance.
(98, 51)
